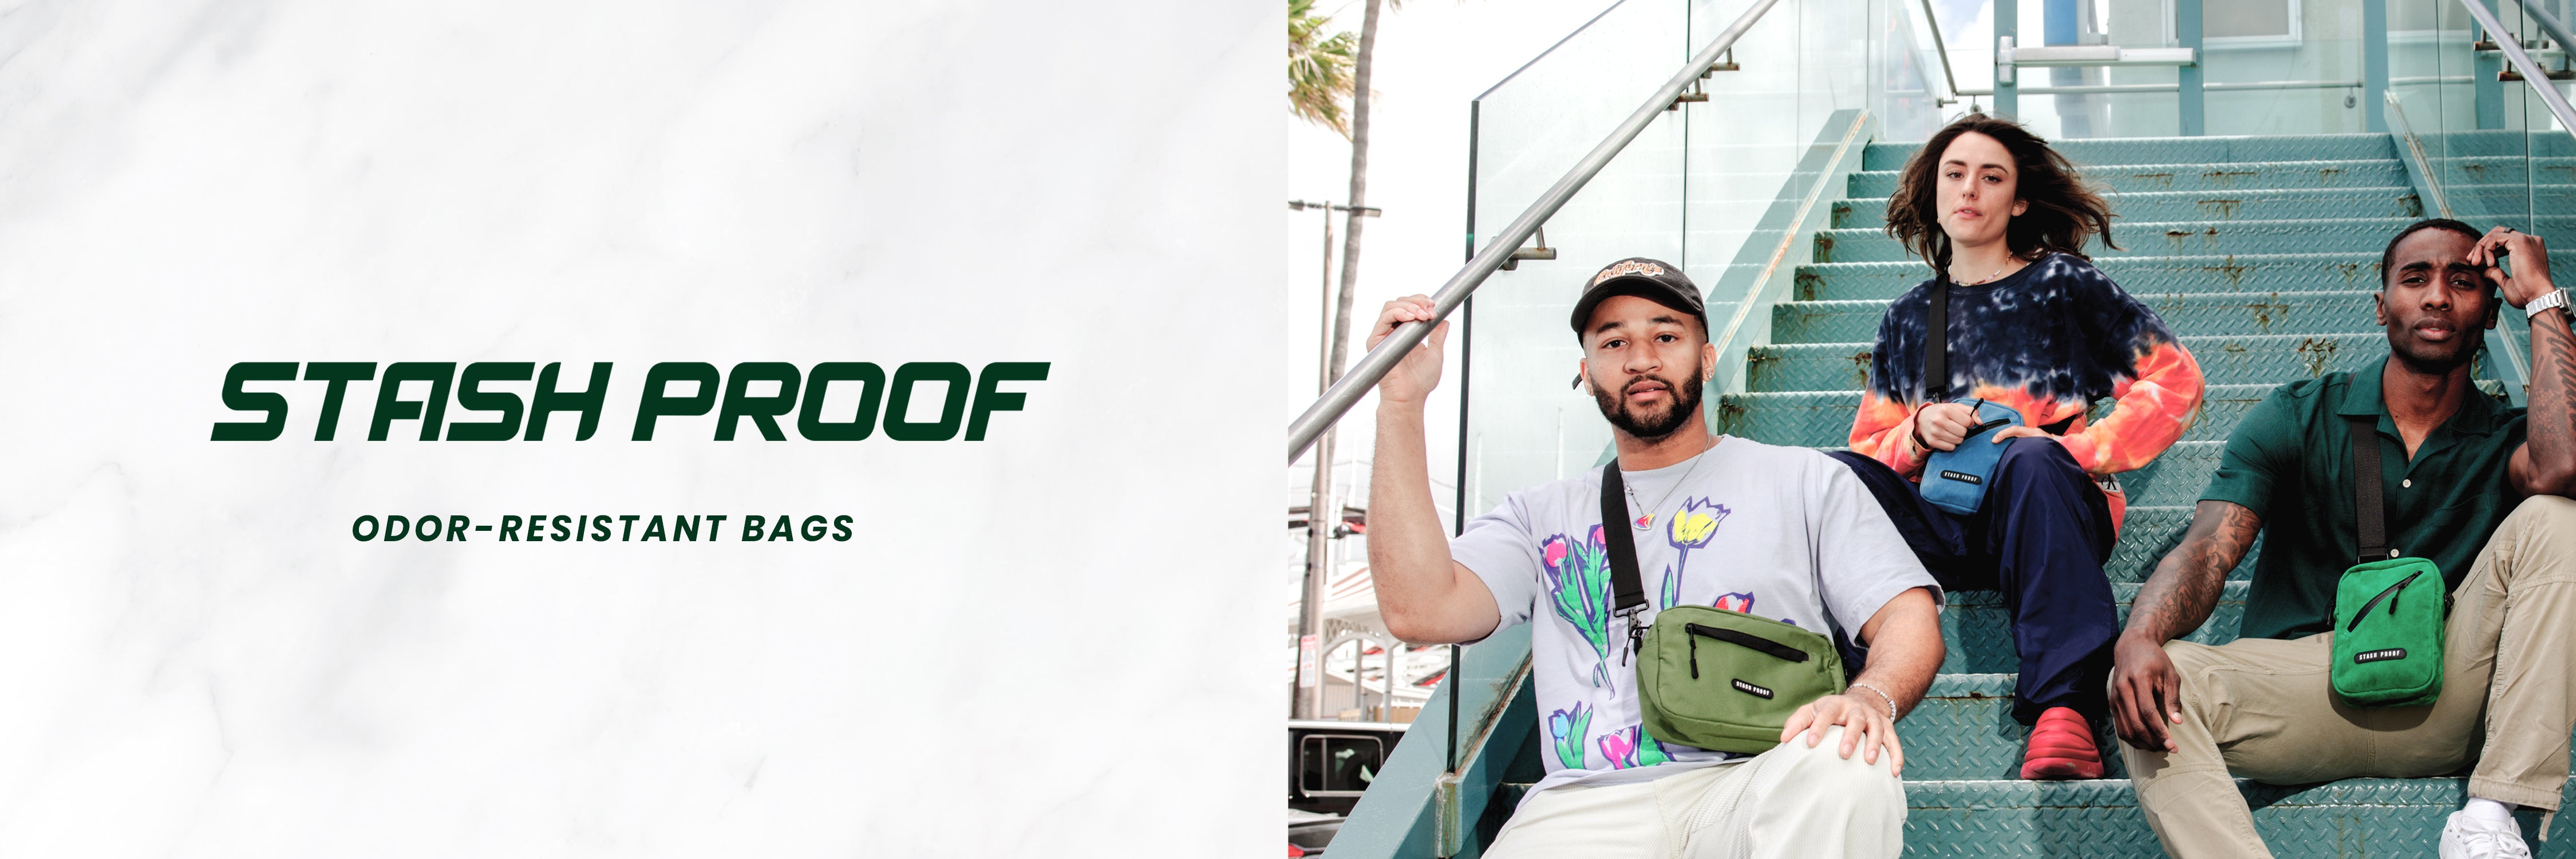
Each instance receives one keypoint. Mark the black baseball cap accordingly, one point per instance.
(1653, 280)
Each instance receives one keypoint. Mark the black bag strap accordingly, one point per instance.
(1936, 344)
(1627, 589)
(1936, 354)
(2370, 511)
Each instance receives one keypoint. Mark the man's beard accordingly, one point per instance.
(2437, 358)
(1685, 403)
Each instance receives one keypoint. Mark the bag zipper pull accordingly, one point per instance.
(1694, 655)
(2390, 595)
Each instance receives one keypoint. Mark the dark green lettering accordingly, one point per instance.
(899, 401)
(658, 404)
(548, 401)
(391, 407)
(470, 396)
(240, 400)
(763, 411)
(809, 420)
(339, 374)
(989, 397)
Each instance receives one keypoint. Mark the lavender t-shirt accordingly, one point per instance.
(1785, 533)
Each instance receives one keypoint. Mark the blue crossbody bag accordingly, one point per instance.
(1955, 480)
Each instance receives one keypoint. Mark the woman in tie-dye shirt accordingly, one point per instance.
(2003, 220)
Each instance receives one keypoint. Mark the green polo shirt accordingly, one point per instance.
(2289, 461)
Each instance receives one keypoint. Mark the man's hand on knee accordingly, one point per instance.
(2145, 693)
(1866, 727)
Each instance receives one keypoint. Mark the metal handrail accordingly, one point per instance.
(1374, 365)
(2531, 72)
(1934, 21)
(2550, 23)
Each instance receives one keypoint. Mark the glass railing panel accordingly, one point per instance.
(1693, 190)
(2129, 102)
(2497, 154)
(1526, 423)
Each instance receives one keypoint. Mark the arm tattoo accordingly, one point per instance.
(2552, 417)
(2187, 582)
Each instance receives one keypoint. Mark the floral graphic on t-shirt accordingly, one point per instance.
(1694, 525)
(1735, 602)
(1569, 727)
(1578, 586)
(1632, 747)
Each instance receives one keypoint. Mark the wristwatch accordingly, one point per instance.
(2552, 298)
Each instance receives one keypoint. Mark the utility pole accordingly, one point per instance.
(1323, 513)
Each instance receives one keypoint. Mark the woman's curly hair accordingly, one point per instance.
(2062, 214)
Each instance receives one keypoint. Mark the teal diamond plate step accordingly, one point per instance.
(2349, 819)
(2147, 533)
(2201, 150)
(2224, 360)
(2467, 172)
(2252, 205)
(2206, 314)
(1964, 729)
(2139, 275)
(2500, 141)
(1977, 629)
(2201, 176)
(2170, 238)
(2176, 477)
(1824, 418)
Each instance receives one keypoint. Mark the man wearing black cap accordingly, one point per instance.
(1779, 533)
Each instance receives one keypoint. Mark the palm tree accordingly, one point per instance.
(1359, 135)
(1319, 68)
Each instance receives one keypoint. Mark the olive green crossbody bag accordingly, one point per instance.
(1708, 677)
(2389, 611)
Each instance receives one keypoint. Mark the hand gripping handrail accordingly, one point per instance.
(1374, 365)
(2531, 73)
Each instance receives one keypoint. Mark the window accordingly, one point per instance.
(2250, 23)
(1338, 764)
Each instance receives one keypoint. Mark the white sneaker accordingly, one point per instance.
(2468, 837)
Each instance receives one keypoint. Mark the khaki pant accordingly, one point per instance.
(2262, 709)
(1791, 801)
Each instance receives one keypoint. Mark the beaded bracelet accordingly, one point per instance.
(1882, 693)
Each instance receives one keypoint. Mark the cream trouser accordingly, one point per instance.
(1789, 801)
(2262, 708)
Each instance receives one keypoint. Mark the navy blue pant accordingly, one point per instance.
(2040, 538)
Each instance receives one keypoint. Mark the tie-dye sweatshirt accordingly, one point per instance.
(2047, 341)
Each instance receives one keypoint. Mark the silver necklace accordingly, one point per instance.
(1999, 272)
(1647, 521)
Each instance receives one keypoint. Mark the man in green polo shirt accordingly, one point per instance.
(2476, 487)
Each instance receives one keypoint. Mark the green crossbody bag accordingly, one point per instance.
(2389, 611)
(1708, 677)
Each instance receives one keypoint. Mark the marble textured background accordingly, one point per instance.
(1056, 642)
